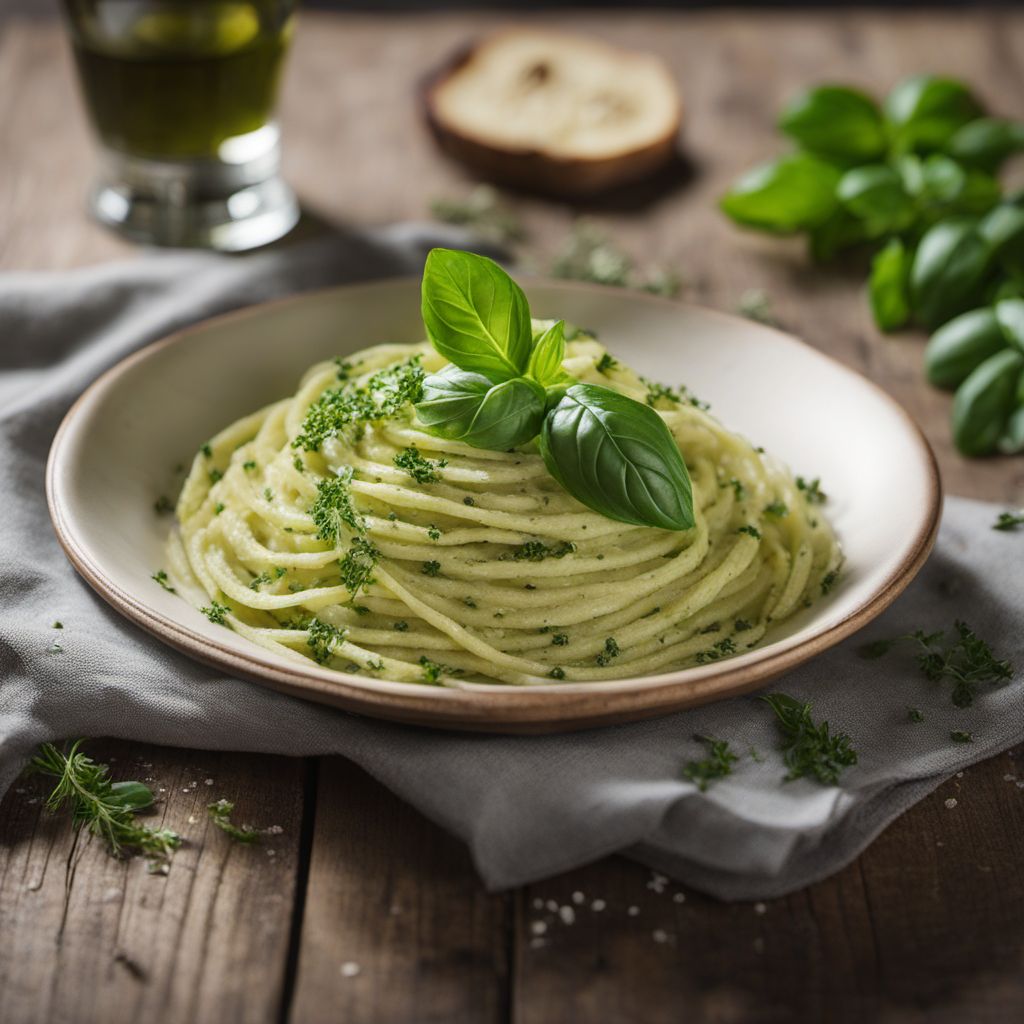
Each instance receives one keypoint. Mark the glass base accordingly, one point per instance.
(231, 204)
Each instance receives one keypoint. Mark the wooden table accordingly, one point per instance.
(360, 910)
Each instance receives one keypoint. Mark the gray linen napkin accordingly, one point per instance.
(527, 807)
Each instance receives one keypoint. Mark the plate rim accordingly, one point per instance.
(551, 708)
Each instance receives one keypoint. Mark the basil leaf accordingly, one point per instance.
(133, 795)
(960, 345)
(836, 123)
(1012, 441)
(1003, 229)
(888, 286)
(949, 269)
(983, 403)
(464, 406)
(475, 314)
(839, 232)
(986, 142)
(874, 193)
(545, 365)
(618, 458)
(1010, 317)
(795, 192)
(925, 111)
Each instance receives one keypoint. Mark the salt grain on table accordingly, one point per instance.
(598, 905)
(538, 927)
(633, 911)
(760, 908)
(567, 914)
(577, 897)
(350, 969)
(951, 803)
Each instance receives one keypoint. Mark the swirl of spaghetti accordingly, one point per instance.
(330, 526)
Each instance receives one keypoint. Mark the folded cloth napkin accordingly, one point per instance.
(526, 806)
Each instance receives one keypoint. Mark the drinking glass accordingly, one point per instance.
(181, 95)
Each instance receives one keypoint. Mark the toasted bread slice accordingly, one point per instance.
(558, 113)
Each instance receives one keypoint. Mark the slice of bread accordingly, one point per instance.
(556, 113)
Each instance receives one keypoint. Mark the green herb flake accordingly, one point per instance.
(813, 494)
(220, 812)
(215, 475)
(560, 639)
(433, 533)
(915, 714)
(611, 650)
(967, 661)
(741, 626)
(1008, 521)
(809, 750)
(206, 450)
(218, 508)
(400, 626)
(723, 649)
(468, 500)
(431, 568)
(536, 551)
(716, 765)
(828, 581)
(605, 363)
(751, 531)
(323, 640)
(249, 465)
(431, 669)
(333, 508)
(776, 510)
(358, 564)
(163, 505)
(299, 464)
(160, 576)
(422, 470)
(959, 736)
(557, 673)
(216, 612)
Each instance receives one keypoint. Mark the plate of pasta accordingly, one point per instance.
(462, 502)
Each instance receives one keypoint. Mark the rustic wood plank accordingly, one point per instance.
(397, 926)
(928, 925)
(86, 937)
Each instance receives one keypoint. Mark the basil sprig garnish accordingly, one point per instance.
(503, 388)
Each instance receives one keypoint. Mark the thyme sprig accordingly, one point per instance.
(809, 749)
(716, 765)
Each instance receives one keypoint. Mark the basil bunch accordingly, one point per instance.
(504, 386)
(915, 180)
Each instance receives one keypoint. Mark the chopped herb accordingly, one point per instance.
(536, 551)
(257, 581)
(716, 765)
(422, 470)
(753, 531)
(809, 749)
(1009, 521)
(605, 363)
(218, 508)
(776, 510)
(383, 396)
(206, 450)
(431, 568)
(215, 475)
(959, 736)
(738, 490)
(915, 714)
(401, 626)
(828, 581)
(323, 639)
(220, 812)
(160, 576)
(560, 639)
(375, 664)
(107, 809)
(163, 505)
(60, 625)
(344, 369)
(611, 650)
(967, 662)
(557, 673)
(216, 612)
(469, 602)
(722, 649)
(249, 465)
(468, 500)
(333, 508)
(268, 494)
(299, 464)
(813, 494)
(431, 670)
(392, 516)
(358, 564)
(433, 532)
(741, 626)
(755, 304)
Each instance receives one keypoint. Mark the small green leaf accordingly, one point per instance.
(475, 314)
(983, 403)
(618, 458)
(874, 193)
(545, 364)
(925, 111)
(960, 345)
(463, 406)
(836, 123)
(986, 142)
(132, 795)
(949, 269)
(1003, 228)
(1010, 317)
(788, 195)
(888, 286)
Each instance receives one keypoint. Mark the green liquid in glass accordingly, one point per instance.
(174, 80)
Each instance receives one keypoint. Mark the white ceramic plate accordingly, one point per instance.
(115, 450)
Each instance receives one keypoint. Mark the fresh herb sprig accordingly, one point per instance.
(503, 387)
(105, 808)
(967, 661)
(809, 750)
(220, 812)
(1008, 521)
(716, 765)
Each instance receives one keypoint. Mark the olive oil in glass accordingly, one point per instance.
(181, 94)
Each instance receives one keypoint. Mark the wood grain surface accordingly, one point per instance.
(360, 910)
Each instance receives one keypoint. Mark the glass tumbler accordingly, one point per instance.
(181, 95)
